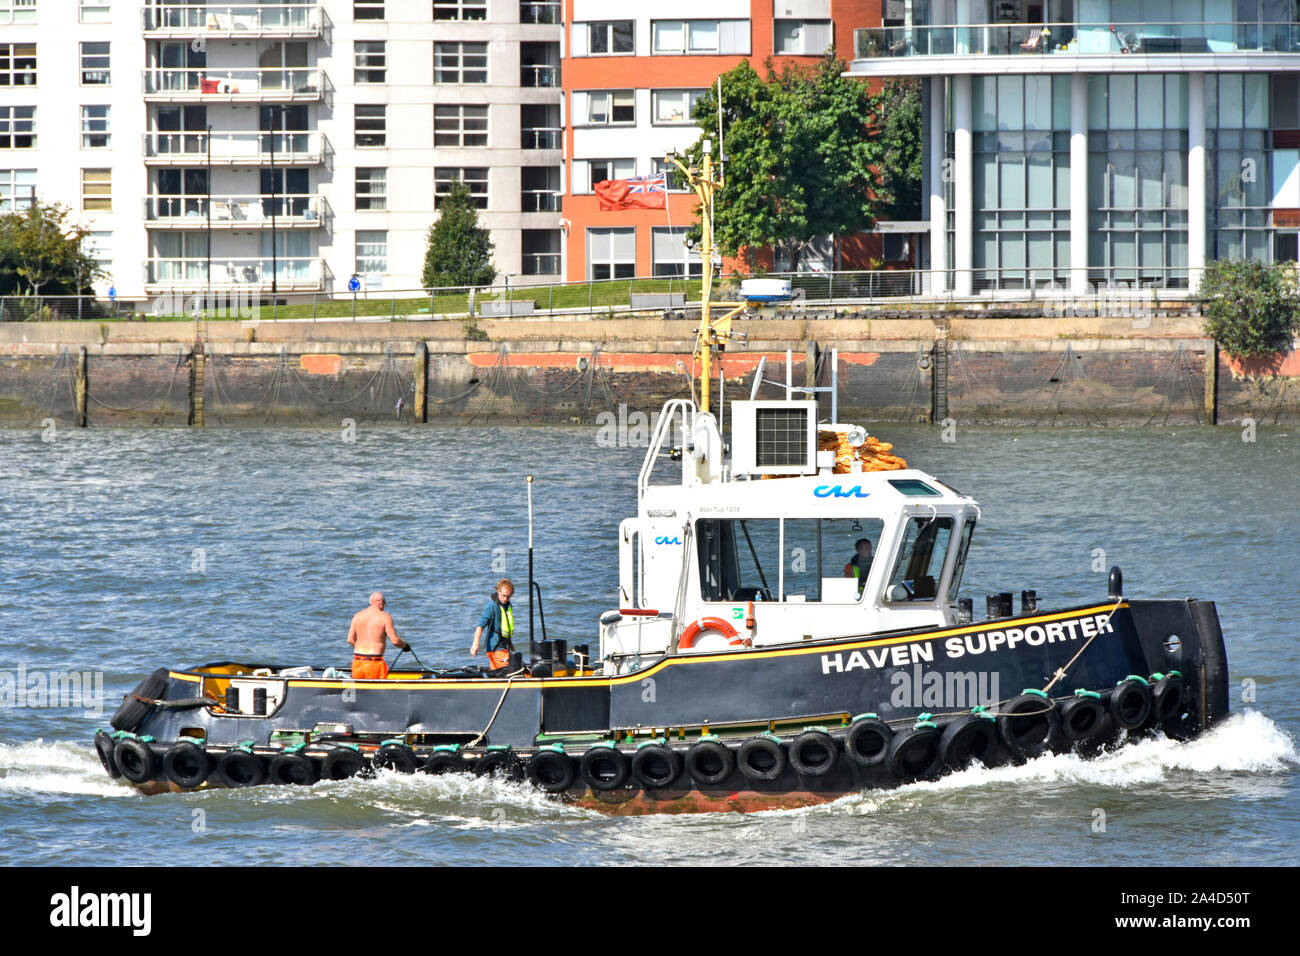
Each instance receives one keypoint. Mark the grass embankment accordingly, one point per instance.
(578, 295)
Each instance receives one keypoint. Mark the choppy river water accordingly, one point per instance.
(125, 550)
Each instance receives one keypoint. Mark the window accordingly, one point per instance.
(97, 190)
(740, 559)
(700, 36)
(17, 189)
(540, 189)
(676, 181)
(372, 188)
(94, 127)
(372, 251)
(368, 61)
(611, 253)
(17, 64)
(588, 172)
(605, 37)
(95, 11)
(475, 178)
(94, 64)
(460, 125)
(920, 560)
(368, 10)
(17, 127)
(604, 107)
(670, 255)
(539, 11)
(541, 252)
(801, 37)
(460, 9)
(370, 125)
(17, 11)
(668, 107)
(460, 62)
(99, 247)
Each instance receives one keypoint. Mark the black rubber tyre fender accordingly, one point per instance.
(239, 768)
(867, 742)
(104, 746)
(131, 712)
(604, 768)
(813, 753)
(296, 769)
(340, 763)
(1082, 718)
(551, 771)
(1168, 698)
(709, 762)
(398, 757)
(1130, 704)
(761, 758)
(656, 766)
(187, 765)
(914, 754)
(968, 737)
(444, 762)
(500, 763)
(1027, 725)
(134, 760)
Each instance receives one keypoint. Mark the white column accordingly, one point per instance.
(1195, 179)
(938, 201)
(963, 184)
(1079, 184)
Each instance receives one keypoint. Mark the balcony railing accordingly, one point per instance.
(541, 11)
(540, 137)
(539, 200)
(290, 273)
(541, 263)
(539, 76)
(236, 212)
(296, 83)
(240, 19)
(1078, 39)
(228, 148)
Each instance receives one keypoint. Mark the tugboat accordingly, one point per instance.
(746, 666)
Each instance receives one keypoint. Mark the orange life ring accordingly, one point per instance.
(695, 628)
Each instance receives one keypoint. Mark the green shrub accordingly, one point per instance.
(1251, 308)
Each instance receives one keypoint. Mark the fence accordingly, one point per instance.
(246, 294)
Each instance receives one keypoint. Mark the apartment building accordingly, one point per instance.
(1100, 143)
(283, 147)
(632, 73)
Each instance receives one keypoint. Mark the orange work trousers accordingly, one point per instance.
(369, 668)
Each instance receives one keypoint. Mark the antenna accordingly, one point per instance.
(758, 377)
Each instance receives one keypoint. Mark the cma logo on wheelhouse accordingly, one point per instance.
(839, 491)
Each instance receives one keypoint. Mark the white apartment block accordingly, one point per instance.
(285, 146)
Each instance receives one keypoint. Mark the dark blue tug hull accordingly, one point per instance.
(580, 736)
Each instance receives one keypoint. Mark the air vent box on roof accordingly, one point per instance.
(773, 438)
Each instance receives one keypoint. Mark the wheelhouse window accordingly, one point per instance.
(919, 565)
(792, 560)
(959, 565)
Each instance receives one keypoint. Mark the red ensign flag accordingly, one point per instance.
(639, 192)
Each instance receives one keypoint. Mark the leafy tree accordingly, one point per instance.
(1250, 308)
(41, 253)
(802, 156)
(899, 108)
(459, 250)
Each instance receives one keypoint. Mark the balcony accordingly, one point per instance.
(540, 76)
(1078, 39)
(543, 11)
(539, 200)
(301, 274)
(298, 84)
(294, 148)
(541, 138)
(234, 20)
(236, 212)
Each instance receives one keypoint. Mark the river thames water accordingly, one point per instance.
(129, 549)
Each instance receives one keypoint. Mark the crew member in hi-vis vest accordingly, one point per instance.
(497, 622)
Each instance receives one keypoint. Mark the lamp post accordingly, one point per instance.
(207, 268)
(275, 262)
